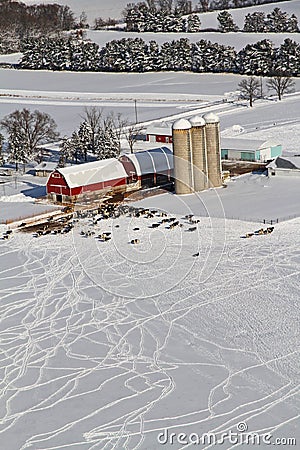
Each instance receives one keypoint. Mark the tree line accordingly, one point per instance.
(98, 136)
(143, 17)
(19, 21)
(135, 55)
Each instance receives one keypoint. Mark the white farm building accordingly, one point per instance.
(249, 149)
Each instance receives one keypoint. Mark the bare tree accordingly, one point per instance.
(35, 127)
(119, 124)
(204, 5)
(1, 145)
(250, 89)
(281, 84)
(131, 134)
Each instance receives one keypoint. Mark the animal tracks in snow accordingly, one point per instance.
(104, 345)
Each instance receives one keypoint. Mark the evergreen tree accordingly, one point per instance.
(277, 21)
(107, 143)
(226, 23)
(256, 59)
(192, 24)
(71, 149)
(17, 147)
(212, 57)
(255, 23)
(84, 56)
(292, 26)
(84, 137)
(153, 60)
(1, 149)
(287, 58)
(127, 54)
(176, 55)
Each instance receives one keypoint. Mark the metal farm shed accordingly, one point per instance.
(150, 168)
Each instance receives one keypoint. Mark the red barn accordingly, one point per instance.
(130, 172)
(70, 183)
(159, 134)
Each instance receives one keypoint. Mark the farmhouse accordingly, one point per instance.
(128, 173)
(284, 166)
(44, 169)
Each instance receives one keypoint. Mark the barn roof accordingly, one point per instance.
(47, 166)
(156, 160)
(93, 172)
(245, 144)
(159, 130)
(285, 162)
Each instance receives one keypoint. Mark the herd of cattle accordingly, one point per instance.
(156, 218)
(259, 232)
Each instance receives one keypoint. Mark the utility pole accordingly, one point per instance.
(135, 110)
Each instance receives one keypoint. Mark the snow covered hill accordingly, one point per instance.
(93, 8)
(105, 9)
(209, 20)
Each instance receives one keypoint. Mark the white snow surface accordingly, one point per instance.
(160, 96)
(107, 344)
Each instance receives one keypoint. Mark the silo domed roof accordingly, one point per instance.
(211, 118)
(197, 121)
(181, 124)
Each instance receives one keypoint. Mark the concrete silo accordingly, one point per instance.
(213, 148)
(183, 174)
(199, 153)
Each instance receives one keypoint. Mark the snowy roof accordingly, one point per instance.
(285, 162)
(181, 124)
(157, 130)
(48, 166)
(157, 160)
(211, 118)
(93, 172)
(245, 144)
(197, 121)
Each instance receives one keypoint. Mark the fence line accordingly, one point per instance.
(265, 221)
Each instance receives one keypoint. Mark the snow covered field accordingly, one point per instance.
(64, 94)
(105, 345)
